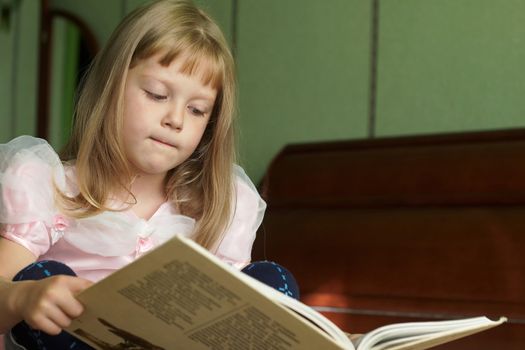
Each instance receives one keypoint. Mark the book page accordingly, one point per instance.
(423, 335)
(179, 297)
(433, 340)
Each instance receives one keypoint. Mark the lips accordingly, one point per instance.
(162, 142)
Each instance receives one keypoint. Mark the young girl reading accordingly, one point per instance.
(151, 155)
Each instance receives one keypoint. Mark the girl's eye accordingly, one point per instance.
(196, 111)
(155, 96)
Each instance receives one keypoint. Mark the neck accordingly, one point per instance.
(148, 186)
(149, 192)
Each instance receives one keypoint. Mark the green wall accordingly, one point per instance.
(63, 80)
(307, 71)
(441, 66)
(19, 70)
(6, 80)
(303, 74)
(450, 65)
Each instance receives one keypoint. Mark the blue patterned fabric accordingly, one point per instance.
(274, 275)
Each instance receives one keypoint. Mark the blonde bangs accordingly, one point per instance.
(206, 65)
(202, 57)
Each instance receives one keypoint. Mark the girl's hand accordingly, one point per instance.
(49, 304)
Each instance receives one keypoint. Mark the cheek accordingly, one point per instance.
(128, 129)
(199, 134)
(133, 122)
(194, 139)
(133, 118)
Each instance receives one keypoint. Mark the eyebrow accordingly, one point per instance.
(168, 83)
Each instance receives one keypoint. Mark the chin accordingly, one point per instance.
(156, 167)
(153, 170)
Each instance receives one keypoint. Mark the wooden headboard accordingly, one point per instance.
(402, 229)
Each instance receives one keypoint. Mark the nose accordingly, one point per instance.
(174, 118)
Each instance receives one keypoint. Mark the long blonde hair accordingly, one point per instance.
(202, 186)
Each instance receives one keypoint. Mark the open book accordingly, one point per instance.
(180, 296)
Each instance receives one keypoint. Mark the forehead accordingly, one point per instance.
(207, 70)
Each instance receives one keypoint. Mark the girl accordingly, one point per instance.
(151, 155)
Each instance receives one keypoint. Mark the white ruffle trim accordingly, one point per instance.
(118, 234)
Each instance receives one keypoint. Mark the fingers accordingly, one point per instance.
(52, 321)
(45, 325)
(67, 302)
(50, 304)
(71, 307)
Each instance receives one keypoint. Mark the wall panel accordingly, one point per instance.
(450, 65)
(303, 73)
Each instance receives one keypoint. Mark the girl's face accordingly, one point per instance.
(165, 115)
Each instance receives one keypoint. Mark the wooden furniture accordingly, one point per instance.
(404, 229)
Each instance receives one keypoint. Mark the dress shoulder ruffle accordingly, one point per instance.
(236, 244)
(29, 171)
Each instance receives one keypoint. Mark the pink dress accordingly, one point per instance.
(96, 246)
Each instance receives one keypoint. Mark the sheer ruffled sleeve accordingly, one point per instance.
(236, 245)
(28, 169)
